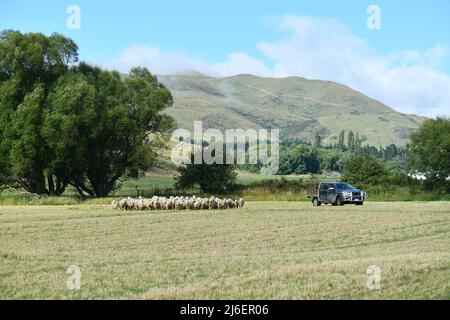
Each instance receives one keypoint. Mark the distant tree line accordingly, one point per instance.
(428, 154)
(299, 157)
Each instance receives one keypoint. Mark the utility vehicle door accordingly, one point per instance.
(323, 192)
(331, 193)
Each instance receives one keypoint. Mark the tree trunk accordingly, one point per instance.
(81, 188)
(38, 184)
(51, 185)
(60, 186)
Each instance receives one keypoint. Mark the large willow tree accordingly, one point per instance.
(63, 123)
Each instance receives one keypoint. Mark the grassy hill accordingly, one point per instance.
(297, 106)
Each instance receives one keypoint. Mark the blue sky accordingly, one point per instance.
(405, 64)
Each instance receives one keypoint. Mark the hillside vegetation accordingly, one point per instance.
(297, 106)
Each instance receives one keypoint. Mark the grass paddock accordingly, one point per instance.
(268, 250)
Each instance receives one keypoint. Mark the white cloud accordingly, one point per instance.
(432, 58)
(240, 62)
(408, 81)
(160, 62)
(326, 49)
(155, 60)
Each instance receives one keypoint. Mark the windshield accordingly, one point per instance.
(343, 186)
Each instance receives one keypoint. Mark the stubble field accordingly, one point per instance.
(268, 250)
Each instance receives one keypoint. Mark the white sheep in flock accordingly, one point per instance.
(176, 203)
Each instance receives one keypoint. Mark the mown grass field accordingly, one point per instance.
(268, 250)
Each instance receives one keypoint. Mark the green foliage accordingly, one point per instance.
(333, 160)
(79, 125)
(358, 142)
(211, 178)
(341, 139)
(299, 159)
(372, 175)
(317, 140)
(30, 64)
(430, 152)
(105, 122)
(351, 141)
(364, 171)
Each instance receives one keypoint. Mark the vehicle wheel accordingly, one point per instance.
(316, 202)
(360, 204)
(339, 201)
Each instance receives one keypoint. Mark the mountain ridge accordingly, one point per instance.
(297, 106)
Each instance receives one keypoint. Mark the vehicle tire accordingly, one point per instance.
(338, 201)
(316, 202)
(360, 203)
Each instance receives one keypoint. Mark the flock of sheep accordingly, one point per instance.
(176, 203)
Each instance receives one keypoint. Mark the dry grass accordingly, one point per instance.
(269, 250)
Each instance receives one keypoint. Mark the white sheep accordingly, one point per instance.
(197, 205)
(115, 204)
(205, 204)
(221, 204)
(176, 203)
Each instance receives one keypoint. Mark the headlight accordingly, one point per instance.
(347, 193)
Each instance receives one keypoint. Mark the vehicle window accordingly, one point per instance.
(324, 186)
(343, 186)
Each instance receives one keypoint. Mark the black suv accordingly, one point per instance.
(337, 193)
